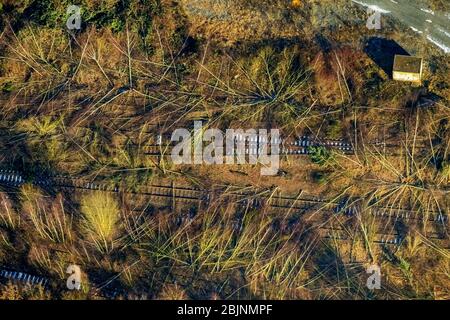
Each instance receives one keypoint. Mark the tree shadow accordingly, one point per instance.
(323, 43)
(382, 52)
(330, 267)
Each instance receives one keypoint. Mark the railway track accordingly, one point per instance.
(302, 146)
(192, 195)
(156, 140)
(25, 278)
(160, 145)
(253, 199)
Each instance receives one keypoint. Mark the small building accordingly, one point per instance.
(407, 68)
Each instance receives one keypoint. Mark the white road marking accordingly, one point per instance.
(428, 11)
(444, 32)
(440, 45)
(372, 6)
(416, 30)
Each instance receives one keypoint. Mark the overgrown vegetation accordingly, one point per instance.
(100, 218)
(92, 103)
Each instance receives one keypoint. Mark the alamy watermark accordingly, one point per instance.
(74, 20)
(374, 20)
(374, 280)
(241, 147)
(74, 280)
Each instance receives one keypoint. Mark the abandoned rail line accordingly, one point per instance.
(190, 194)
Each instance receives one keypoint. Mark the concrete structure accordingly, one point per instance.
(407, 68)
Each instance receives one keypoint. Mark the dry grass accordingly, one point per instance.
(89, 103)
(46, 215)
(100, 220)
(8, 216)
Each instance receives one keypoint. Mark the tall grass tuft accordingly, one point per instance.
(48, 261)
(100, 219)
(172, 292)
(45, 214)
(8, 216)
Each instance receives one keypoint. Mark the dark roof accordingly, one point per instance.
(407, 64)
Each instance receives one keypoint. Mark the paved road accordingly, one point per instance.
(434, 26)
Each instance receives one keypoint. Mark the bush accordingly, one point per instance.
(100, 217)
(320, 155)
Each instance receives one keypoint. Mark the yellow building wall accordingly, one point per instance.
(406, 76)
